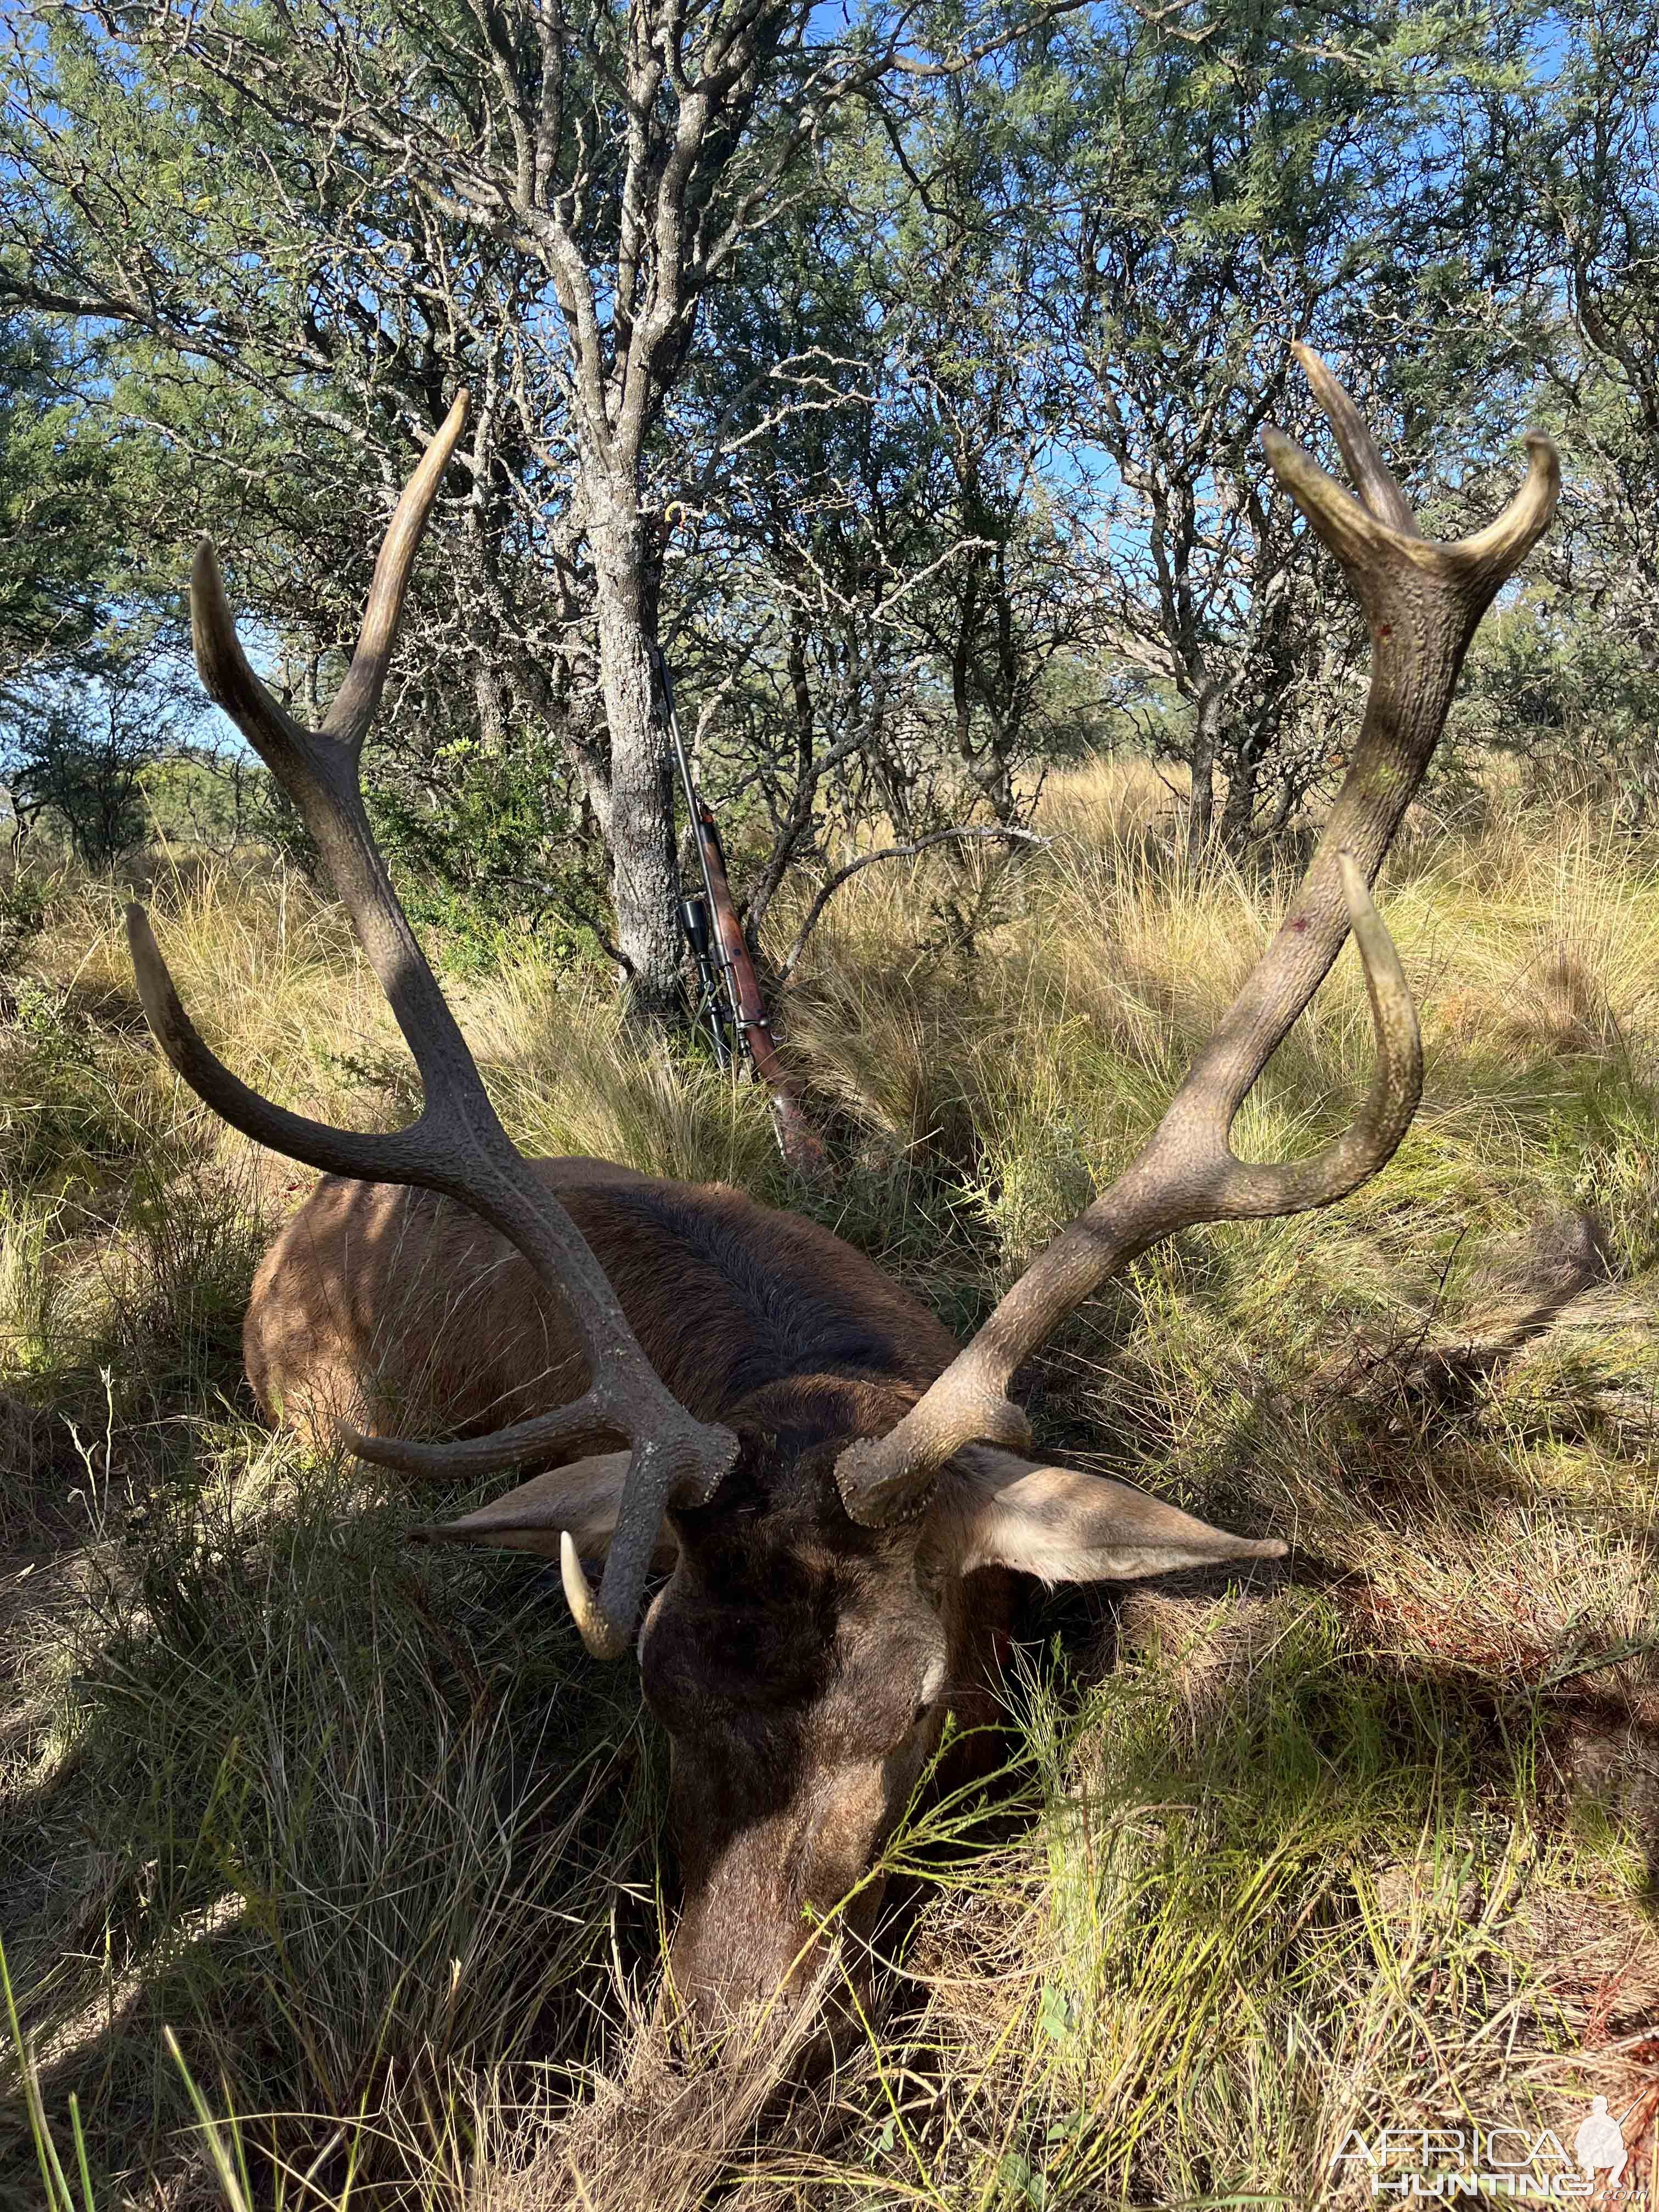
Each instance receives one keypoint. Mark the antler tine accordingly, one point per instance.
(1373, 478)
(456, 1145)
(403, 1156)
(1423, 602)
(348, 720)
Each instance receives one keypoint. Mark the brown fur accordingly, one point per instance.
(392, 1308)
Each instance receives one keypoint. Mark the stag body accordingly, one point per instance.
(379, 1304)
(823, 1471)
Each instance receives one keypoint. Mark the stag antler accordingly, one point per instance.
(1423, 602)
(456, 1145)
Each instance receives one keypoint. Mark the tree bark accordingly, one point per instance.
(1239, 812)
(991, 772)
(1202, 814)
(644, 882)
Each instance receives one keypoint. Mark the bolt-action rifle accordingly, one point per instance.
(730, 1007)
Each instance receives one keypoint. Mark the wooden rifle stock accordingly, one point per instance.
(801, 1146)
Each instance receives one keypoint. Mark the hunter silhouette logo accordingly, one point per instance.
(1599, 2145)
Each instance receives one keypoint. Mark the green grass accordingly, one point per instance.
(329, 1871)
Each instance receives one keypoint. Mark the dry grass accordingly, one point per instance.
(1371, 1842)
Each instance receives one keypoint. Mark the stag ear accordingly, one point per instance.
(582, 1499)
(994, 1508)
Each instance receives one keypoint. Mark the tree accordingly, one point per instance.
(870, 595)
(1225, 182)
(534, 201)
(75, 748)
(57, 495)
(999, 602)
(1570, 678)
(78, 720)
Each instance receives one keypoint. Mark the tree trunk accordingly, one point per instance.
(1239, 813)
(1201, 816)
(644, 881)
(489, 694)
(991, 772)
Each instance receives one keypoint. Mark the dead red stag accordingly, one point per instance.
(833, 1482)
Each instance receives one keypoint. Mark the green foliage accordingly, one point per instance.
(58, 476)
(488, 840)
(23, 918)
(961, 436)
(76, 751)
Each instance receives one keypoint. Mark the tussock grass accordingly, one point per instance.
(1369, 1842)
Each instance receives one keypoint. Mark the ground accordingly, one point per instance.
(1273, 1862)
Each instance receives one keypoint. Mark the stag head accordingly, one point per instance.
(803, 1664)
(826, 1560)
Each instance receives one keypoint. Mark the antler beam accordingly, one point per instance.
(1423, 602)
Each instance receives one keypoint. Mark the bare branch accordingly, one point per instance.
(967, 834)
